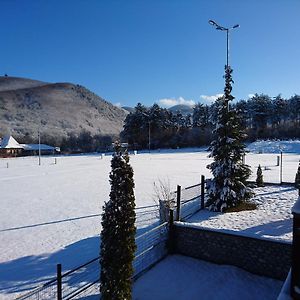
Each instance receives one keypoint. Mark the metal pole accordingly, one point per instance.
(59, 282)
(178, 203)
(39, 148)
(227, 53)
(202, 190)
(149, 138)
(280, 167)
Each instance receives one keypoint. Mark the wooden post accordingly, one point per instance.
(55, 161)
(202, 190)
(295, 270)
(178, 203)
(59, 282)
(278, 160)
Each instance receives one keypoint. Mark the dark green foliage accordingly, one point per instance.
(261, 117)
(259, 177)
(228, 188)
(118, 232)
(297, 179)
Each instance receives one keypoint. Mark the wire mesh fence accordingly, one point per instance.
(146, 215)
(47, 291)
(151, 247)
(84, 280)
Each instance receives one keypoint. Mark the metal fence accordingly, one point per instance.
(151, 248)
(84, 280)
(187, 201)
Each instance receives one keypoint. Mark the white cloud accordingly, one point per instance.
(250, 95)
(168, 102)
(118, 104)
(211, 98)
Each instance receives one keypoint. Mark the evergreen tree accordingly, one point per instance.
(118, 231)
(227, 188)
(259, 177)
(297, 179)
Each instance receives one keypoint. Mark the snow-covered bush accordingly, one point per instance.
(259, 177)
(165, 198)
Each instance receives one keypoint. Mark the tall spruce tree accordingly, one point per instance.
(118, 231)
(228, 186)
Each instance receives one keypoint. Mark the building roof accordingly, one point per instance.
(8, 142)
(34, 147)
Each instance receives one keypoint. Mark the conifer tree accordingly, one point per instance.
(259, 177)
(228, 185)
(118, 231)
(297, 179)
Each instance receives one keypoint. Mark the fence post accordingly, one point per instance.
(178, 203)
(171, 232)
(295, 270)
(59, 282)
(278, 160)
(202, 190)
(280, 167)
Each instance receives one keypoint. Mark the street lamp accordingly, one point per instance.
(218, 27)
(149, 133)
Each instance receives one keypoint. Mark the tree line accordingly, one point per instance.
(262, 117)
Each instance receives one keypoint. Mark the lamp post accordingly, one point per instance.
(149, 130)
(218, 27)
(39, 134)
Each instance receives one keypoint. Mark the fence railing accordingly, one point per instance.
(187, 201)
(84, 280)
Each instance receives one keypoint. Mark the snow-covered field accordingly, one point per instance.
(51, 213)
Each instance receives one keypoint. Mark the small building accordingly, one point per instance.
(9, 147)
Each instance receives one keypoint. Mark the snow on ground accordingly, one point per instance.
(272, 219)
(51, 213)
(178, 277)
(274, 146)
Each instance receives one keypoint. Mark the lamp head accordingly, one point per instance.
(213, 23)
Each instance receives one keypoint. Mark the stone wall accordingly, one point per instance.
(258, 256)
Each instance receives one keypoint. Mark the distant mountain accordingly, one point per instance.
(183, 109)
(58, 109)
(129, 109)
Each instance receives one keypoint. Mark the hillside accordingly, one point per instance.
(58, 109)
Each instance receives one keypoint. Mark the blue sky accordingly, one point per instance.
(146, 51)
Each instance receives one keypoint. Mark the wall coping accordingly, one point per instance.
(231, 233)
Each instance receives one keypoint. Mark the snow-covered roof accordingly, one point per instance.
(9, 142)
(34, 147)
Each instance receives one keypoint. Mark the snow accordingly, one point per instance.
(271, 220)
(274, 146)
(178, 277)
(9, 142)
(52, 213)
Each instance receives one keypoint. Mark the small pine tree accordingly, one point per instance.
(228, 186)
(118, 232)
(259, 177)
(297, 179)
